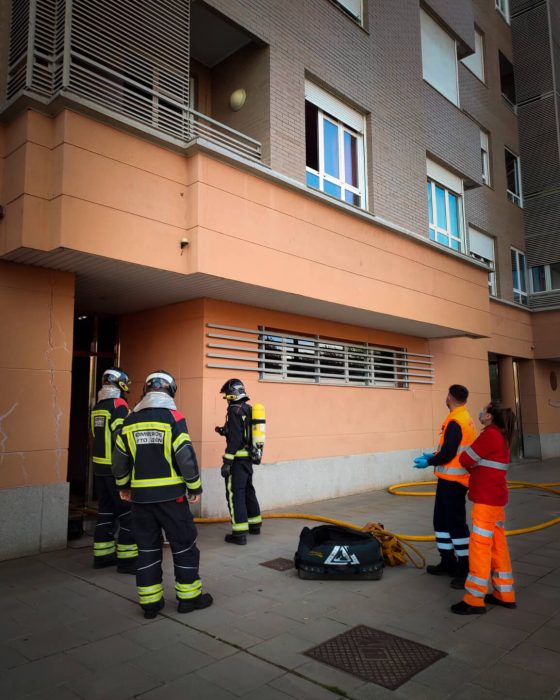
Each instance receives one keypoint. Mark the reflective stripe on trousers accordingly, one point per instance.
(488, 557)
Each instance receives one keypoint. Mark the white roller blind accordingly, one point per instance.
(481, 244)
(444, 177)
(439, 58)
(330, 104)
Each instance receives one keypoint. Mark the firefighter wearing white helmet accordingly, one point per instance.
(237, 465)
(113, 542)
(155, 465)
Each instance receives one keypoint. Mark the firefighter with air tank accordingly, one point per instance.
(244, 431)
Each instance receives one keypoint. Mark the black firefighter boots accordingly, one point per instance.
(442, 569)
(204, 600)
(151, 610)
(235, 538)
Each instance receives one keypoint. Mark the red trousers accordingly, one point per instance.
(488, 556)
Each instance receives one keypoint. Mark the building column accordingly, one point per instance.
(36, 327)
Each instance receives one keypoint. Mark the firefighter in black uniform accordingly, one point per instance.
(154, 464)
(106, 422)
(237, 467)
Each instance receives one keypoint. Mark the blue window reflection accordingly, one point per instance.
(441, 216)
(430, 208)
(330, 188)
(330, 141)
(453, 214)
(312, 180)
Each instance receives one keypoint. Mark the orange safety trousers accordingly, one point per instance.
(488, 556)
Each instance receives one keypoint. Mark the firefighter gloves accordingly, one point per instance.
(225, 470)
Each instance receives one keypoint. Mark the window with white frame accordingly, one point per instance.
(352, 7)
(545, 278)
(485, 156)
(475, 62)
(503, 8)
(445, 207)
(439, 58)
(519, 276)
(481, 247)
(513, 178)
(334, 146)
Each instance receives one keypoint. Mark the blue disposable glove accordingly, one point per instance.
(428, 455)
(420, 463)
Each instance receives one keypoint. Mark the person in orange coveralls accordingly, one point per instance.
(487, 460)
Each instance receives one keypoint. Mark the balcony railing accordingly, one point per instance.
(127, 60)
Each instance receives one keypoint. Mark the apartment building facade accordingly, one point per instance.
(323, 198)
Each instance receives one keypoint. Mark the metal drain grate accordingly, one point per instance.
(279, 564)
(375, 656)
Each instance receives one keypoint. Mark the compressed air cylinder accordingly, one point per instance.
(258, 425)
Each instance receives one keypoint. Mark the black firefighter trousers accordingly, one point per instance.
(241, 498)
(450, 525)
(113, 513)
(175, 518)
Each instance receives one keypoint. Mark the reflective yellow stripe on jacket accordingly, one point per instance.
(107, 415)
(130, 432)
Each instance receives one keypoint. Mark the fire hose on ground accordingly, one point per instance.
(396, 547)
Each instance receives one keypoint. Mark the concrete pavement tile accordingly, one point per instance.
(539, 560)
(371, 691)
(37, 646)
(301, 610)
(546, 637)
(233, 635)
(172, 661)
(330, 677)
(10, 658)
(539, 599)
(117, 683)
(204, 619)
(112, 651)
(523, 580)
(59, 692)
(240, 673)
(299, 688)
(519, 619)
(484, 630)
(245, 603)
(266, 693)
(265, 625)
(516, 682)
(478, 654)
(446, 674)
(521, 567)
(189, 686)
(535, 658)
(317, 631)
(38, 675)
(470, 691)
(552, 579)
(412, 690)
(284, 650)
(104, 624)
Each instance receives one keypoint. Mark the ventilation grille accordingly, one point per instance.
(285, 356)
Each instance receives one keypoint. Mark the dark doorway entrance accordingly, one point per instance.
(96, 348)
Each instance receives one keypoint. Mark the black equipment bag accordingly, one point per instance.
(336, 552)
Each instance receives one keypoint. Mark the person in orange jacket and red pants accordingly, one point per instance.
(487, 460)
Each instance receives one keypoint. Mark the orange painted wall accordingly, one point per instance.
(546, 327)
(511, 330)
(36, 326)
(89, 187)
(168, 338)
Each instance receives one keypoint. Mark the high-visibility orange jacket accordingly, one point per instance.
(452, 470)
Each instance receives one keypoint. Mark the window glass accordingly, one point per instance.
(350, 159)
(444, 216)
(507, 82)
(513, 177)
(440, 208)
(475, 62)
(555, 275)
(519, 276)
(538, 279)
(330, 144)
(311, 136)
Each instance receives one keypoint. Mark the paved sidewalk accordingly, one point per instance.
(68, 631)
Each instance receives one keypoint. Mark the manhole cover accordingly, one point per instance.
(375, 656)
(279, 564)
